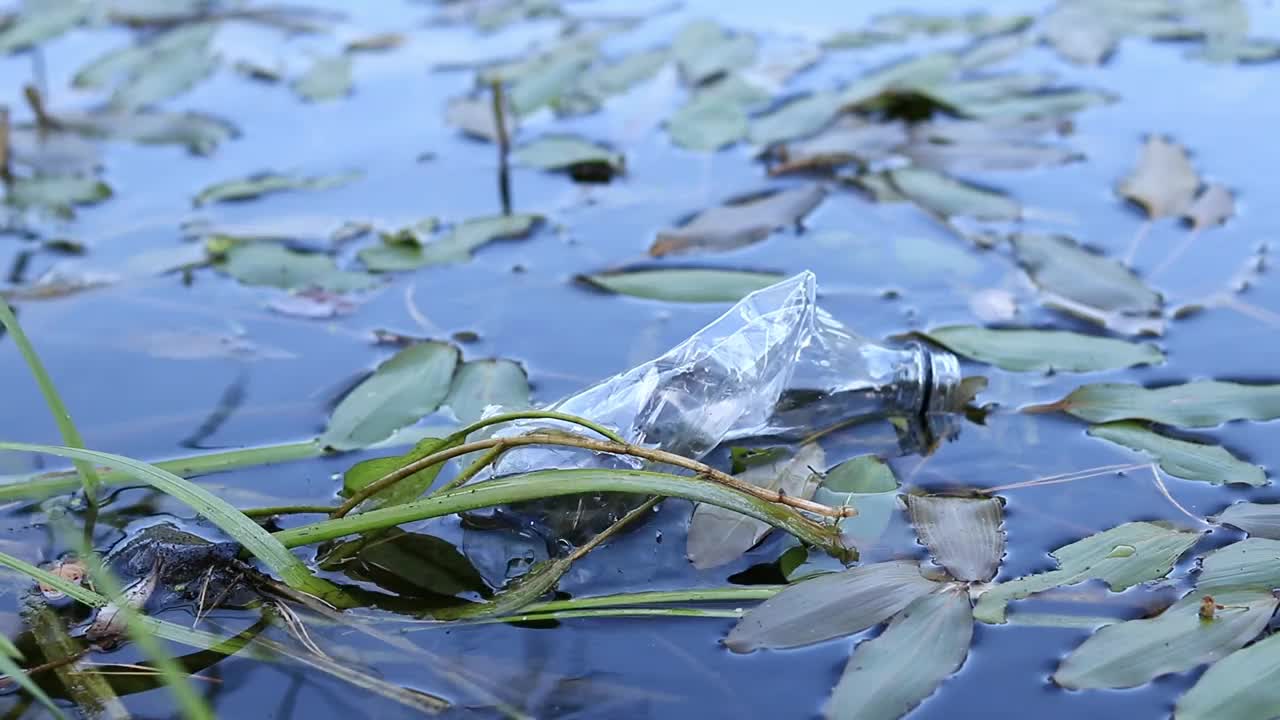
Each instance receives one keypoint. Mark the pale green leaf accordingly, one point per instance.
(1044, 350)
(454, 246)
(56, 194)
(946, 196)
(481, 384)
(1063, 269)
(1180, 458)
(1252, 563)
(328, 78)
(1243, 686)
(684, 284)
(368, 471)
(1204, 403)
(559, 152)
(963, 535)
(740, 222)
(1257, 519)
(799, 118)
(704, 50)
(273, 265)
(257, 185)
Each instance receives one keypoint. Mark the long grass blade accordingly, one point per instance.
(9, 655)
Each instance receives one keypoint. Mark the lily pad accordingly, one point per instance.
(58, 195)
(1066, 271)
(1044, 350)
(683, 284)
(831, 606)
(889, 675)
(481, 384)
(568, 152)
(328, 78)
(740, 222)
(1204, 403)
(1257, 519)
(454, 246)
(1179, 458)
(409, 386)
(947, 196)
(1164, 183)
(1132, 653)
(255, 186)
(1123, 556)
(704, 50)
(273, 265)
(963, 534)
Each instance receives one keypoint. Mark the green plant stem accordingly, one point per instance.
(553, 483)
(61, 416)
(595, 613)
(537, 415)
(754, 592)
(471, 471)
(288, 510)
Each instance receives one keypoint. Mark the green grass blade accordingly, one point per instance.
(9, 654)
(257, 541)
(85, 685)
(70, 435)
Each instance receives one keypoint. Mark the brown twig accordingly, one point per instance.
(504, 146)
(602, 446)
(6, 174)
(44, 121)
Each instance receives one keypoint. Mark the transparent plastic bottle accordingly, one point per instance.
(774, 365)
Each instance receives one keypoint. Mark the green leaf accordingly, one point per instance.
(718, 536)
(130, 60)
(474, 117)
(273, 265)
(831, 606)
(547, 78)
(910, 74)
(480, 384)
(175, 63)
(8, 654)
(863, 474)
(1164, 183)
(1129, 654)
(1238, 50)
(255, 186)
(615, 78)
(1252, 563)
(890, 674)
(989, 155)
(565, 152)
(41, 21)
(199, 133)
(742, 221)
(328, 78)
(367, 471)
(851, 140)
(411, 565)
(53, 153)
(1180, 458)
(454, 247)
(963, 534)
(1074, 277)
(409, 386)
(798, 118)
(946, 196)
(704, 50)
(1123, 556)
(1245, 685)
(1257, 519)
(1204, 403)
(684, 284)
(57, 194)
(257, 541)
(1043, 350)
(868, 484)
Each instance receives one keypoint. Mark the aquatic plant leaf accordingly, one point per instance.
(366, 472)
(1245, 685)
(41, 21)
(328, 78)
(1257, 519)
(963, 534)
(9, 653)
(831, 606)
(481, 384)
(199, 133)
(257, 185)
(905, 75)
(1204, 403)
(1212, 207)
(546, 79)
(1044, 350)
(707, 124)
(202, 345)
(799, 118)
(1080, 34)
(1123, 556)
(474, 117)
(863, 474)
(868, 484)
(705, 50)
(989, 155)
(454, 246)
(947, 196)
(1238, 50)
(401, 391)
(892, 673)
(53, 152)
(1129, 654)
(1252, 563)
(375, 43)
(740, 222)
(408, 564)
(848, 141)
(603, 81)
(165, 68)
(274, 265)
(1164, 183)
(683, 284)
(858, 39)
(1062, 268)
(718, 536)
(569, 152)
(995, 49)
(56, 194)
(1180, 458)
(1056, 103)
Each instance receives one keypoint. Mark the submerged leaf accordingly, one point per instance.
(741, 222)
(1123, 556)
(1128, 654)
(453, 247)
(963, 534)
(1243, 686)
(1203, 403)
(683, 284)
(1257, 519)
(889, 675)
(411, 565)
(946, 196)
(409, 386)
(1044, 350)
(1179, 458)
(255, 186)
(1163, 183)
(482, 384)
(1066, 271)
(328, 78)
(273, 265)
(831, 606)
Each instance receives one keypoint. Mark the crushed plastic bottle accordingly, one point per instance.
(774, 365)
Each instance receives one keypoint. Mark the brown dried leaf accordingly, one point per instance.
(1164, 183)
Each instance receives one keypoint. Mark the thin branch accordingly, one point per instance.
(1143, 231)
(504, 147)
(472, 470)
(1064, 477)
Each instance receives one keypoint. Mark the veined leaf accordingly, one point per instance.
(480, 384)
(1245, 685)
(1252, 563)
(684, 284)
(1187, 460)
(1203, 403)
(1257, 519)
(947, 196)
(963, 534)
(1044, 350)
(368, 471)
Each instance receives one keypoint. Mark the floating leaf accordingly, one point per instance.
(313, 304)
(1238, 50)
(1179, 458)
(850, 141)
(41, 21)
(375, 43)
(740, 222)
(1061, 267)
(130, 60)
(255, 186)
(831, 606)
(1040, 104)
(683, 284)
(1214, 206)
(906, 75)
(1123, 556)
(481, 384)
(963, 534)
(890, 674)
(1252, 563)
(367, 472)
(797, 119)
(1083, 33)
(1245, 685)
(1257, 519)
(1163, 183)
(718, 536)
(704, 50)
(1129, 654)
(868, 484)
(987, 155)
(716, 116)
(1204, 403)
(567, 152)
(273, 265)
(56, 194)
(474, 116)
(606, 80)
(328, 78)
(172, 65)
(946, 196)
(201, 134)
(454, 247)
(53, 153)
(545, 79)
(1044, 350)
(409, 386)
